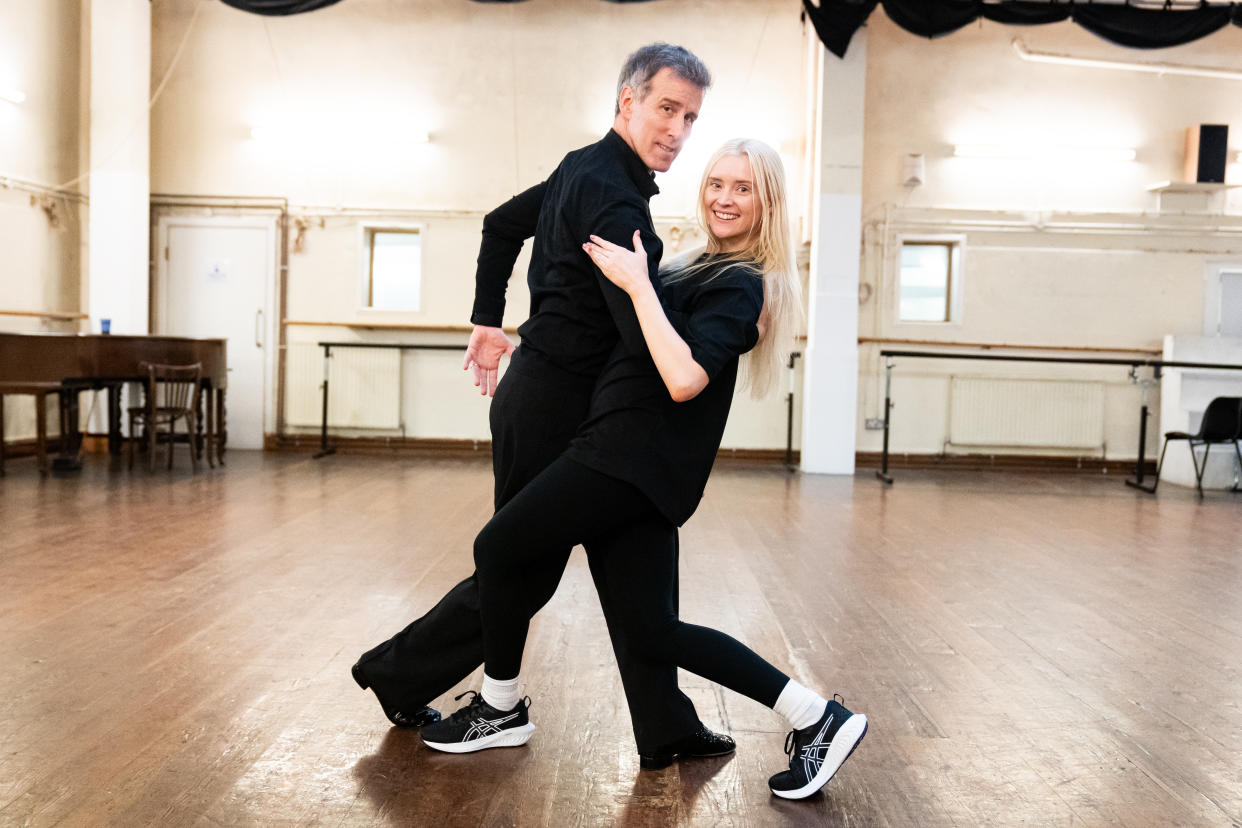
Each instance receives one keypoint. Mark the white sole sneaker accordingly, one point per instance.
(511, 737)
(843, 744)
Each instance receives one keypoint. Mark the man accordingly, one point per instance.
(577, 318)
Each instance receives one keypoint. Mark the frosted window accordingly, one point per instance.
(926, 278)
(396, 270)
(1231, 304)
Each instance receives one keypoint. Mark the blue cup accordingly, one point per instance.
(105, 326)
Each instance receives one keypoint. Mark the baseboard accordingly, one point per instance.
(29, 447)
(309, 443)
(1001, 462)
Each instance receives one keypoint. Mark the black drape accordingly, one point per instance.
(275, 8)
(835, 21)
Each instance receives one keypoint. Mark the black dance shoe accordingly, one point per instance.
(698, 745)
(416, 716)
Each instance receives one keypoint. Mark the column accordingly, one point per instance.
(830, 384)
(120, 185)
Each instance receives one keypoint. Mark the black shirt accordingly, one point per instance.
(635, 432)
(576, 316)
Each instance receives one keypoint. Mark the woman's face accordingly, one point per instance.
(729, 202)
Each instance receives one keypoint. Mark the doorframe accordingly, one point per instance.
(271, 326)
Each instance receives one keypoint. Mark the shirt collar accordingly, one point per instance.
(642, 177)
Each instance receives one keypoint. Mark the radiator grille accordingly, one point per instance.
(364, 387)
(1026, 413)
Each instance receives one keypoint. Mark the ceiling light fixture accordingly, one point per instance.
(1126, 66)
(13, 95)
(267, 133)
(1019, 152)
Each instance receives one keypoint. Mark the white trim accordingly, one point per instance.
(271, 328)
(363, 285)
(957, 280)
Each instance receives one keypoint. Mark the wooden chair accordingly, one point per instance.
(1222, 424)
(172, 393)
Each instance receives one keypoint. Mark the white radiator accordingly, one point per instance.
(1026, 413)
(364, 387)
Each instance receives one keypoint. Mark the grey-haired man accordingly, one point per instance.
(576, 319)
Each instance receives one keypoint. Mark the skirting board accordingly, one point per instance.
(1002, 462)
(98, 444)
(479, 448)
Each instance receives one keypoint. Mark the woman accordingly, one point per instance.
(637, 468)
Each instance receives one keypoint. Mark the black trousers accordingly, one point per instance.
(534, 415)
(569, 503)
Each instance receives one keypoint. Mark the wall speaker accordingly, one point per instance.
(1206, 149)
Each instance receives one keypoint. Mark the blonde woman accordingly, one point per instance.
(637, 469)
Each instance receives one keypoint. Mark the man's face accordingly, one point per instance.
(659, 125)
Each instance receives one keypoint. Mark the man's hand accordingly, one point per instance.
(487, 346)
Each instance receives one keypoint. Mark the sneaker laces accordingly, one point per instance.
(791, 738)
(476, 702)
(791, 745)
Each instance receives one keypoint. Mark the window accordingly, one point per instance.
(394, 269)
(925, 283)
(1230, 304)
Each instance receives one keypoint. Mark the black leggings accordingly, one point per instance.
(568, 504)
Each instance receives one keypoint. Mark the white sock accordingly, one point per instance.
(800, 707)
(502, 695)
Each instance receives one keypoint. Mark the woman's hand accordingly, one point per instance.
(627, 269)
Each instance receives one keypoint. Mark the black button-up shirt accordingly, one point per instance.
(635, 432)
(576, 316)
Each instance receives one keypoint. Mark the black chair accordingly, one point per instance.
(1222, 423)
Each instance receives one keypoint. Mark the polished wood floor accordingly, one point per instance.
(1031, 650)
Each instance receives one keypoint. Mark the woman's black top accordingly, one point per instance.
(635, 432)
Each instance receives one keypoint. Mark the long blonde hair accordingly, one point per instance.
(769, 249)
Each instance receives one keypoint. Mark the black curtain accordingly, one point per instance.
(274, 8)
(835, 21)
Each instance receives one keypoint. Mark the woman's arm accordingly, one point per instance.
(627, 269)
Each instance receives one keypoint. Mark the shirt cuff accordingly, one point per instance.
(489, 314)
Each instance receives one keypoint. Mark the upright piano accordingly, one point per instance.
(80, 362)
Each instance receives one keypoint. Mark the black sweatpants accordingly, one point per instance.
(569, 503)
(534, 415)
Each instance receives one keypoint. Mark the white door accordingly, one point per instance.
(216, 279)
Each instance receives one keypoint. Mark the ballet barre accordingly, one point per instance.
(1134, 364)
(324, 448)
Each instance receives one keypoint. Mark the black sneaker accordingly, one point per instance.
(478, 725)
(817, 752)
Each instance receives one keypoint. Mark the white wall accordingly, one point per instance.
(1055, 254)
(504, 92)
(40, 233)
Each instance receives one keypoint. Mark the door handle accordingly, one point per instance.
(258, 328)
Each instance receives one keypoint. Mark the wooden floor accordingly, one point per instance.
(1030, 650)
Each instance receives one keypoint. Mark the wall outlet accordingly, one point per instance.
(875, 424)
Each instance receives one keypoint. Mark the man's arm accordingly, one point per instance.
(627, 270)
(505, 230)
(616, 221)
